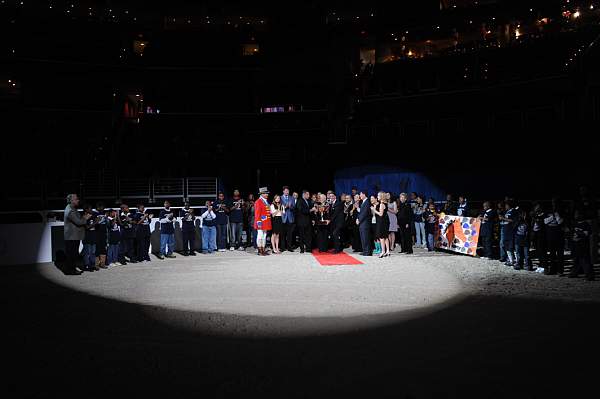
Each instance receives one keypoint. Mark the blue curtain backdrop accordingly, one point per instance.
(394, 180)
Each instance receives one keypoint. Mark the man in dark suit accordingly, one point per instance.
(364, 223)
(304, 221)
(337, 222)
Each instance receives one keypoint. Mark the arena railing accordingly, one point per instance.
(146, 189)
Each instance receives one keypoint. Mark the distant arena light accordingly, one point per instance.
(281, 109)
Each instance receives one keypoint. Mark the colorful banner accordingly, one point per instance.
(457, 234)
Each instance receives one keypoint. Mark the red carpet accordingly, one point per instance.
(331, 259)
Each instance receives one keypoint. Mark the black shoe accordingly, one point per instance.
(192, 253)
(337, 251)
(185, 254)
(160, 257)
(171, 256)
(133, 261)
(72, 272)
(291, 249)
(572, 275)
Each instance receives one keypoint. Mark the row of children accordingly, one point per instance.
(121, 236)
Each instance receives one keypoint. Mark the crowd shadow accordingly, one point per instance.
(492, 347)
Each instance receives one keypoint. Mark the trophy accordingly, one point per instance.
(322, 208)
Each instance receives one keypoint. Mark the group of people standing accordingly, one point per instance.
(527, 231)
(369, 224)
(323, 222)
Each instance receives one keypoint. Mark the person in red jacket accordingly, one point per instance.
(262, 220)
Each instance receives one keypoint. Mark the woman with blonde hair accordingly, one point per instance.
(382, 223)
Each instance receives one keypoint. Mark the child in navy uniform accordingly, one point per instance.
(538, 229)
(487, 219)
(522, 239)
(208, 220)
(127, 236)
(508, 222)
(555, 238)
(188, 229)
(167, 232)
(141, 219)
(89, 241)
(114, 238)
(101, 234)
(462, 209)
(500, 210)
(431, 221)
(580, 246)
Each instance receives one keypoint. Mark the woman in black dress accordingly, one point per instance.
(277, 223)
(322, 217)
(382, 223)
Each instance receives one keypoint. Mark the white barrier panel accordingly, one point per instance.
(28, 243)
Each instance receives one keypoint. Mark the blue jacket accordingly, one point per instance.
(364, 216)
(290, 204)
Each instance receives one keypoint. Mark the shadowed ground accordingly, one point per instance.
(506, 334)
